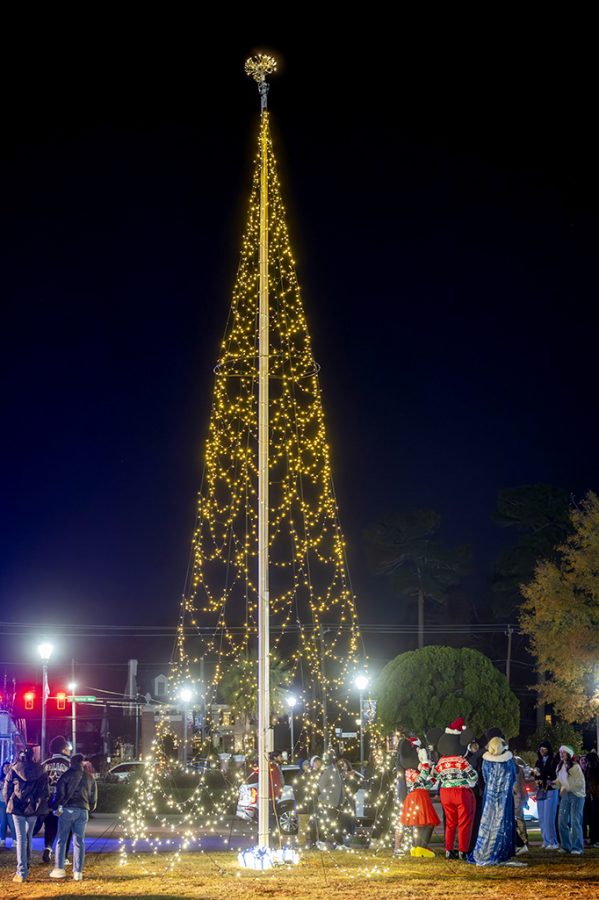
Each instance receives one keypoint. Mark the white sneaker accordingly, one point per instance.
(552, 846)
(522, 849)
(58, 873)
(576, 853)
(78, 876)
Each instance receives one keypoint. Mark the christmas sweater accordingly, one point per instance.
(423, 777)
(455, 771)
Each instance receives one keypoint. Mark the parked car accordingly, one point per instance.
(286, 816)
(123, 772)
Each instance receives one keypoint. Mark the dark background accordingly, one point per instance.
(443, 206)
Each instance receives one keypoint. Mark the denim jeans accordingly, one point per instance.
(6, 823)
(570, 821)
(75, 820)
(24, 826)
(547, 814)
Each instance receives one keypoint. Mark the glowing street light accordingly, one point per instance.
(45, 650)
(361, 682)
(291, 702)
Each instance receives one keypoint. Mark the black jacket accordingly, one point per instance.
(75, 789)
(547, 766)
(26, 790)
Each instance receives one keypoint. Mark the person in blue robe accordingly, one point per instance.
(496, 841)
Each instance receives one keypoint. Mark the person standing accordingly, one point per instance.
(545, 773)
(55, 766)
(572, 792)
(76, 795)
(26, 797)
(6, 822)
(520, 801)
(496, 841)
(457, 778)
(591, 777)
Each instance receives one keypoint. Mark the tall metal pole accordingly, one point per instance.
(263, 608)
(185, 714)
(361, 735)
(325, 723)
(508, 662)
(73, 708)
(258, 68)
(74, 722)
(292, 737)
(44, 699)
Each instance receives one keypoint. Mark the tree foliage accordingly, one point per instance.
(557, 734)
(431, 687)
(239, 685)
(560, 615)
(540, 513)
(404, 548)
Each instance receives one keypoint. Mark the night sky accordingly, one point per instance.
(444, 212)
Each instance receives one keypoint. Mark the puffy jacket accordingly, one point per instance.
(26, 790)
(75, 789)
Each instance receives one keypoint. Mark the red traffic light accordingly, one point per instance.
(61, 700)
(29, 697)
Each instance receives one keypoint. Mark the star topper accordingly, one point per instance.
(258, 67)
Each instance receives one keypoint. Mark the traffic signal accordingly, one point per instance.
(61, 700)
(29, 698)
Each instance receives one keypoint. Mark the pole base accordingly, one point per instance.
(261, 858)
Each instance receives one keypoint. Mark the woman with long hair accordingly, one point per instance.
(26, 796)
(572, 790)
(545, 773)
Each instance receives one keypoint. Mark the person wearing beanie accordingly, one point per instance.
(496, 841)
(55, 766)
(76, 795)
(457, 778)
(572, 791)
(545, 772)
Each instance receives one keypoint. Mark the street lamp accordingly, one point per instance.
(73, 687)
(291, 701)
(45, 651)
(361, 682)
(185, 696)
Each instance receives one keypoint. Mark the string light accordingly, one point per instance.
(312, 606)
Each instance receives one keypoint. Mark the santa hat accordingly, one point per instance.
(415, 741)
(456, 727)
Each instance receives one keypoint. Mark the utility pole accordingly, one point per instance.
(508, 662)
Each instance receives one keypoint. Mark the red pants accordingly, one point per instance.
(459, 806)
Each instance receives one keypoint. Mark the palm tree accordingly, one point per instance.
(402, 547)
(239, 685)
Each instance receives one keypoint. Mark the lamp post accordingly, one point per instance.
(291, 701)
(73, 688)
(186, 696)
(45, 651)
(361, 682)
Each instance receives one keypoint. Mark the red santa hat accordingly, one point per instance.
(456, 727)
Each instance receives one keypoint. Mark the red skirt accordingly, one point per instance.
(418, 809)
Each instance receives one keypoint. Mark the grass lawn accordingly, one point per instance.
(547, 877)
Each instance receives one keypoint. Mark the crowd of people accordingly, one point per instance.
(481, 787)
(56, 795)
(482, 790)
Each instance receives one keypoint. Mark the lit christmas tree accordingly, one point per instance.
(312, 620)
